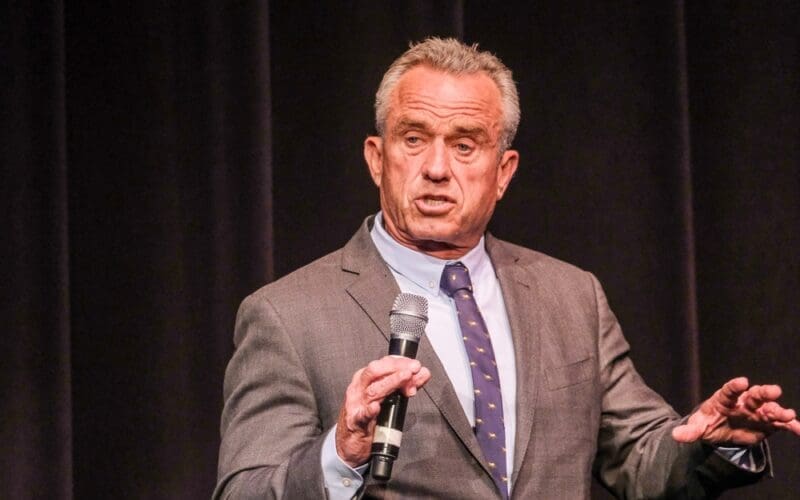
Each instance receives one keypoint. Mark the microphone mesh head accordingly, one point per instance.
(408, 317)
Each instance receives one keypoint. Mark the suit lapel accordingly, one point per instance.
(520, 293)
(440, 390)
(375, 289)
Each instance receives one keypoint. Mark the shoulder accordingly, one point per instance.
(303, 284)
(302, 297)
(551, 280)
(505, 254)
(323, 284)
(334, 271)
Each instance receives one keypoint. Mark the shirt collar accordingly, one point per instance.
(424, 270)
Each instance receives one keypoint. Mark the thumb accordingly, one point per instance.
(687, 433)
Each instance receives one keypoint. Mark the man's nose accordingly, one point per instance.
(437, 162)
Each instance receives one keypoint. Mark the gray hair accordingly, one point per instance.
(452, 56)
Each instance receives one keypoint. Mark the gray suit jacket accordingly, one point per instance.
(581, 406)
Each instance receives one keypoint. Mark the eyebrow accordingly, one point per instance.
(406, 124)
(471, 131)
(459, 130)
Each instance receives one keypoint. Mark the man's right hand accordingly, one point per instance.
(362, 404)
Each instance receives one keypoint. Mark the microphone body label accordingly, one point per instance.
(387, 435)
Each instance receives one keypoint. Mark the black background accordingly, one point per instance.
(160, 160)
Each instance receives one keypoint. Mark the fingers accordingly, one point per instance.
(382, 377)
(728, 395)
(417, 380)
(773, 411)
(387, 366)
(781, 418)
(740, 414)
(793, 427)
(371, 384)
(368, 387)
(755, 397)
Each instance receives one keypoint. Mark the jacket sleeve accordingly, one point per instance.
(271, 431)
(636, 455)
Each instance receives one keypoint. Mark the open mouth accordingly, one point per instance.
(434, 204)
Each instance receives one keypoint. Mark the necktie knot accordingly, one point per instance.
(455, 277)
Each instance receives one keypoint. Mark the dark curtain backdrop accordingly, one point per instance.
(160, 160)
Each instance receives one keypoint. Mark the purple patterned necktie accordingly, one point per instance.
(489, 426)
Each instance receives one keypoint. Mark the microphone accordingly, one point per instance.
(407, 324)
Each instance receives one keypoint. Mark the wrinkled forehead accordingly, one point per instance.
(425, 95)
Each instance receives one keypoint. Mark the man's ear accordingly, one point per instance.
(373, 154)
(505, 171)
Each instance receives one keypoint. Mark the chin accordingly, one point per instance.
(437, 239)
(440, 232)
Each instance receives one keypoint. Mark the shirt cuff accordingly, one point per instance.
(341, 480)
(751, 459)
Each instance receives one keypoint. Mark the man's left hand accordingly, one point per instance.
(738, 415)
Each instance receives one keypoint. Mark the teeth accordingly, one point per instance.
(435, 201)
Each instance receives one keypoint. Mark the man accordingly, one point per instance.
(523, 387)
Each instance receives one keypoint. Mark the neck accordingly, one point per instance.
(437, 249)
(440, 250)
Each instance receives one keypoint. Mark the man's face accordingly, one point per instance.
(439, 167)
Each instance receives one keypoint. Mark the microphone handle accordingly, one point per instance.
(388, 435)
(389, 427)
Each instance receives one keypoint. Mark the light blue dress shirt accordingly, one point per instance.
(420, 274)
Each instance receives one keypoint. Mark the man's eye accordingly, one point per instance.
(413, 140)
(464, 147)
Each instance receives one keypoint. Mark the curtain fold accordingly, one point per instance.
(170, 206)
(36, 455)
(745, 112)
(160, 160)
